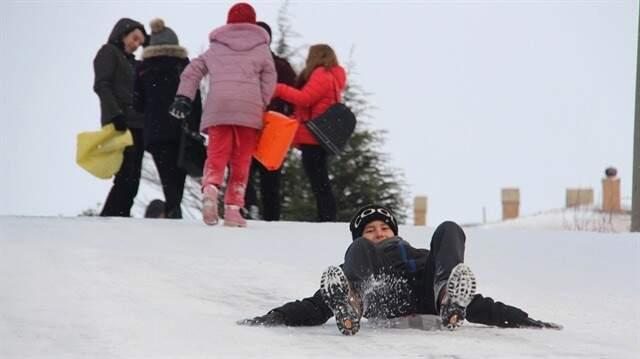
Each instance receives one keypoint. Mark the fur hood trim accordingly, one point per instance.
(165, 50)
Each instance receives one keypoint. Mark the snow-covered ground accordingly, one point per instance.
(135, 288)
(586, 218)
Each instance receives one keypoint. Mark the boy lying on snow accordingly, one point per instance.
(384, 277)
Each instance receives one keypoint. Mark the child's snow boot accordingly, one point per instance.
(342, 299)
(232, 217)
(210, 204)
(458, 293)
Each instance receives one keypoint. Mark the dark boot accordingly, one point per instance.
(456, 296)
(344, 302)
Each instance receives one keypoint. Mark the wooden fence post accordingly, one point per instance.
(510, 203)
(577, 197)
(611, 191)
(420, 211)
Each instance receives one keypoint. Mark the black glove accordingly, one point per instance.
(120, 123)
(181, 107)
(271, 319)
(532, 323)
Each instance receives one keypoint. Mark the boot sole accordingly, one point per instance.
(234, 224)
(461, 288)
(335, 289)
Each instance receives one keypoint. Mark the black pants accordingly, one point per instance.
(447, 251)
(424, 272)
(269, 191)
(165, 156)
(314, 161)
(127, 180)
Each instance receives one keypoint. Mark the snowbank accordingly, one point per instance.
(110, 288)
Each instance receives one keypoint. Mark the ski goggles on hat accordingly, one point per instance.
(370, 211)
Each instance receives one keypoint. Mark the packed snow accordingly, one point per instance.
(138, 288)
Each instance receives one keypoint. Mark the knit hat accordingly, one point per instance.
(368, 214)
(161, 34)
(155, 209)
(241, 12)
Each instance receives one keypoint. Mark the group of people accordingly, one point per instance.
(135, 96)
(154, 98)
(382, 276)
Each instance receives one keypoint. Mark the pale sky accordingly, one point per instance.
(475, 95)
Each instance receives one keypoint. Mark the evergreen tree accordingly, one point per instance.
(298, 202)
(361, 173)
(286, 33)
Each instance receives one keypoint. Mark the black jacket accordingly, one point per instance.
(483, 310)
(114, 76)
(287, 76)
(156, 84)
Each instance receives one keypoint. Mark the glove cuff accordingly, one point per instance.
(183, 98)
(279, 316)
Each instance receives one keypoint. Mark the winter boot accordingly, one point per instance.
(232, 217)
(344, 302)
(210, 204)
(254, 212)
(458, 293)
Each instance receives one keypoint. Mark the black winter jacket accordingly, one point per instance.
(114, 76)
(157, 81)
(287, 76)
(483, 310)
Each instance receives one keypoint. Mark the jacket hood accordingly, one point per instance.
(240, 37)
(164, 50)
(162, 64)
(340, 75)
(123, 27)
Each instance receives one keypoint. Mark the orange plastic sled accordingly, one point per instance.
(275, 139)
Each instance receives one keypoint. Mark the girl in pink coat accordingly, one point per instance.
(242, 79)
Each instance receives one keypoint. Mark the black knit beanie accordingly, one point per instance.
(155, 209)
(368, 214)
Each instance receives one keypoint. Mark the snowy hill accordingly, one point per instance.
(124, 288)
(587, 218)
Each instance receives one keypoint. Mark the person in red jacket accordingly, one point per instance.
(319, 86)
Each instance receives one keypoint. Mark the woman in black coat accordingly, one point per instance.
(114, 68)
(156, 85)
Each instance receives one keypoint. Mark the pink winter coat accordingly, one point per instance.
(242, 76)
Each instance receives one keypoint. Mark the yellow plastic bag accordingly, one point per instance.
(101, 152)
